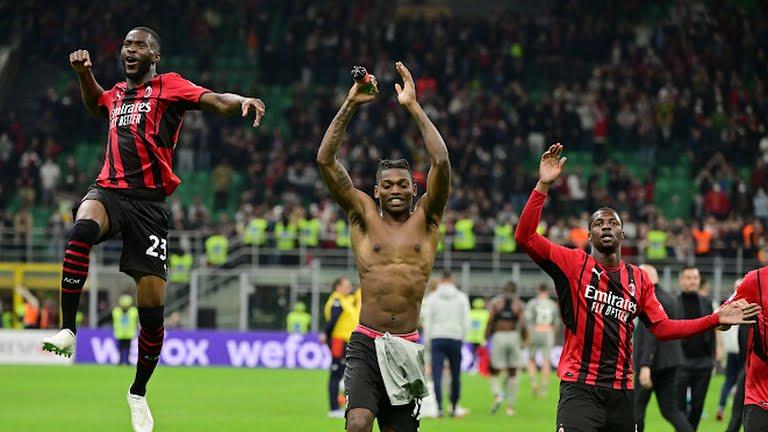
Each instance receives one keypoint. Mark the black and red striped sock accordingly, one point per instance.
(150, 344)
(75, 269)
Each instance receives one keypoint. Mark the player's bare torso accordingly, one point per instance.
(394, 261)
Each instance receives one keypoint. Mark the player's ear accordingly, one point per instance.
(376, 192)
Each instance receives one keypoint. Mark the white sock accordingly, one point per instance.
(512, 384)
(495, 388)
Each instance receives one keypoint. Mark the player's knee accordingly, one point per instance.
(359, 422)
(85, 231)
(151, 317)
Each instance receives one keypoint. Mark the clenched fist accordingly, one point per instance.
(80, 61)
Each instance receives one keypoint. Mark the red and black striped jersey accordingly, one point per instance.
(598, 306)
(754, 289)
(144, 125)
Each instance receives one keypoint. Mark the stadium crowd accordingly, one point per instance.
(499, 91)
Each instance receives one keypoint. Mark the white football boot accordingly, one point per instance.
(62, 343)
(141, 417)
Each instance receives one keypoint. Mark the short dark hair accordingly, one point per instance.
(337, 282)
(447, 274)
(386, 164)
(155, 36)
(592, 216)
(689, 267)
(543, 288)
(510, 287)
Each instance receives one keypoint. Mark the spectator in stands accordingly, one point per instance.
(50, 174)
(222, 177)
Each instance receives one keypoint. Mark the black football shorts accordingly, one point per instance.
(364, 387)
(587, 408)
(143, 219)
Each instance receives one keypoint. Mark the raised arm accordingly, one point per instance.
(535, 244)
(229, 104)
(439, 177)
(334, 174)
(90, 90)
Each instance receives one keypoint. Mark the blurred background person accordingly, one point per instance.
(125, 325)
(505, 333)
(446, 324)
(342, 311)
(543, 316)
(657, 363)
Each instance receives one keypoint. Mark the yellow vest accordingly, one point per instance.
(217, 249)
(464, 238)
(478, 320)
(285, 236)
(180, 267)
(125, 324)
(657, 245)
(310, 232)
(441, 239)
(298, 322)
(505, 239)
(349, 317)
(255, 232)
(342, 234)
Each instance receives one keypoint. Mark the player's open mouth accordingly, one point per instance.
(131, 61)
(396, 201)
(606, 237)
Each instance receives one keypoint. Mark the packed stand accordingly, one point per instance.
(636, 97)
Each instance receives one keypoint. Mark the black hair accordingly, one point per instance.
(155, 36)
(689, 267)
(592, 217)
(386, 164)
(447, 274)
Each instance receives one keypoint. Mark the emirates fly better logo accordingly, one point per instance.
(610, 304)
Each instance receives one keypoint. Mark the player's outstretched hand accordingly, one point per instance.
(254, 105)
(738, 312)
(80, 61)
(406, 94)
(360, 94)
(551, 164)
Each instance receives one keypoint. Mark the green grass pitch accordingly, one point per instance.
(92, 399)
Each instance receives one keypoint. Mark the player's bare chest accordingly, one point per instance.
(380, 242)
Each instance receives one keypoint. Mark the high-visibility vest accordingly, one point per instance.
(348, 319)
(504, 238)
(180, 268)
(285, 236)
(478, 320)
(657, 245)
(7, 319)
(217, 249)
(441, 239)
(309, 235)
(298, 322)
(464, 238)
(702, 240)
(342, 234)
(125, 323)
(31, 315)
(255, 232)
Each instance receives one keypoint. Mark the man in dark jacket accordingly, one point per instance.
(699, 351)
(657, 365)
